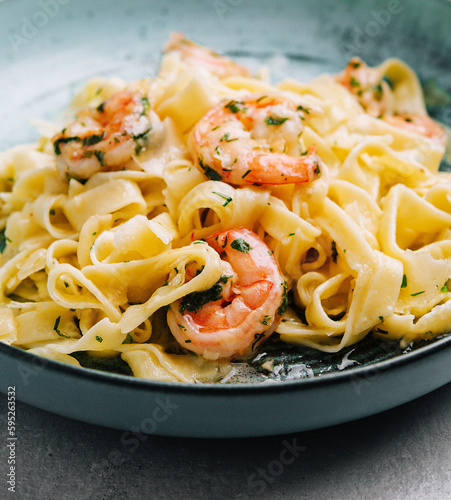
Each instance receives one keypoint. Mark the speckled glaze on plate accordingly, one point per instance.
(49, 49)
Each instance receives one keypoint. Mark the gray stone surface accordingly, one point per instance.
(403, 453)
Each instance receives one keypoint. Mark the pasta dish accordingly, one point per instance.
(181, 220)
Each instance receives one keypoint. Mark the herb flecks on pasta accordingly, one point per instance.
(180, 221)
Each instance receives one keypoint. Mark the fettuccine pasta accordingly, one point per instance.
(181, 220)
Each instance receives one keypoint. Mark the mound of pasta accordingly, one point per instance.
(180, 221)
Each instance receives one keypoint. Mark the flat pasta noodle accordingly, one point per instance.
(115, 228)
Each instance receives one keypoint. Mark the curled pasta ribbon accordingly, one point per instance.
(422, 244)
(161, 266)
(70, 288)
(150, 361)
(292, 236)
(371, 271)
(119, 196)
(228, 208)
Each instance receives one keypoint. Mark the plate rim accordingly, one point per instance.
(137, 383)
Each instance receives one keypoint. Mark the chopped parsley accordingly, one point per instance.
(257, 337)
(271, 120)
(404, 281)
(55, 327)
(334, 253)
(225, 197)
(3, 240)
(303, 108)
(128, 339)
(241, 245)
(209, 172)
(100, 155)
(233, 106)
(64, 140)
(284, 304)
(90, 140)
(266, 320)
(444, 289)
(377, 91)
(226, 138)
(354, 82)
(195, 300)
(388, 81)
(99, 338)
(146, 105)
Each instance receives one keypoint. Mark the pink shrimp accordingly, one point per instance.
(105, 138)
(195, 54)
(368, 86)
(419, 124)
(376, 96)
(242, 309)
(254, 141)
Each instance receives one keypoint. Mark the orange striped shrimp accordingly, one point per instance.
(107, 137)
(419, 124)
(196, 55)
(242, 309)
(254, 141)
(376, 97)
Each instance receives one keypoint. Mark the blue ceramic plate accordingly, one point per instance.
(49, 48)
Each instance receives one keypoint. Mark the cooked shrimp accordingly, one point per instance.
(242, 309)
(195, 54)
(419, 124)
(368, 85)
(375, 95)
(107, 137)
(254, 141)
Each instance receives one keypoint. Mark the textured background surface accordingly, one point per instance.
(403, 453)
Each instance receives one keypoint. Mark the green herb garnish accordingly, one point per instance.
(233, 106)
(93, 139)
(209, 172)
(284, 304)
(241, 245)
(100, 155)
(64, 140)
(404, 281)
(195, 300)
(55, 327)
(334, 253)
(225, 197)
(271, 120)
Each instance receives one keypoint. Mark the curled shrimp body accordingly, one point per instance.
(254, 141)
(367, 85)
(376, 97)
(244, 307)
(107, 137)
(419, 124)
(195, 54)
